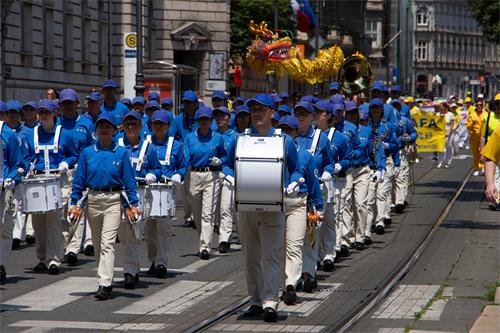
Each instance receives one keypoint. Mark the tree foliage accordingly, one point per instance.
(242, 11)
(487, 13)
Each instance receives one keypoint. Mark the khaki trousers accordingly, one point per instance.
(384, 193)
(227, 213)
(81, 233)
(8, 209)
(403, 179)
(361, 177)
(204, 194)
(104, 216)
(345, 231)
(49, 238)
(159, 237)
(186, 203)
(371, 204)
(295, 232)
(262, 236)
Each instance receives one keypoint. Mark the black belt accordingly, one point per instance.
(207, 169)
(107, 189)
(36, 172)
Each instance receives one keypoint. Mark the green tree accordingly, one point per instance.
(242, 11)
(487, 13)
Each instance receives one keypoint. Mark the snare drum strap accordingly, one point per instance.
(142, 153)
(168, 152)
(331, 133)
(54, 146)
(277, 132)
(315, 141)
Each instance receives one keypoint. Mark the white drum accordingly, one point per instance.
(143, 204)
(41, 194)
(259, 173)
(163, 202)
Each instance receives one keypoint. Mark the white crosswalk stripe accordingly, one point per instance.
(88, 325)
(175, 298)
(307, 303)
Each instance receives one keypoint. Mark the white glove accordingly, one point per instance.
(378, 176)
(9, 184)
(150, 178)
(63, 167)
(292, 190)
(229, 182)
(396, 171)
(385, 145)
(326, 176)
(406, 138)
(337, 168)
(215, 161)
(176, 179)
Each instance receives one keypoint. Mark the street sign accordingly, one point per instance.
(129, 63)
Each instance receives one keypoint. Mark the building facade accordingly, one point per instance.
(59, 44)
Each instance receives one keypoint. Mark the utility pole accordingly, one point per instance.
(139, 76)
(316, 42)
(110, 44)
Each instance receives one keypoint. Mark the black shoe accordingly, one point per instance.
(189, 223)
(161, 272)
(309, 283)
(223, 247)
(53, 269)
(372, 228)
(289, 296)
(30, 240)
(399, 208)
(216, 229)
(344, 250)
(16, 244)
(270, 315)
(89, 251)
(387, 222)
(40, 267)
(71, 259)
(368, 240)
(360, 246)
(130, 281)
(103, 293)
(3, 275)
(152, 270)
(328, 265)
(253, 311)
(379, 229)
(352, 245)
(319, 265)
(406, 203)
(204, 255)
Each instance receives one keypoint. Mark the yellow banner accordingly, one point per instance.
(431, 129)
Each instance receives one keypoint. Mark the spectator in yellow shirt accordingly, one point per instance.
(491, 152)
(474, 122)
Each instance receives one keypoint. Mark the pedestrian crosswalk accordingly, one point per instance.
(307, 303)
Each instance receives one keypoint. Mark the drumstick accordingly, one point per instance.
(300, 181)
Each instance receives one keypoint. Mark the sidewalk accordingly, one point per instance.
(489, 321)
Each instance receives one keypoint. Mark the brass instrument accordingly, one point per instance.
(355, 74)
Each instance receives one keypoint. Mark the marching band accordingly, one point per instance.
(302, 182)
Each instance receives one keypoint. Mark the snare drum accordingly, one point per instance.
(41, 194)
(143, 204)
(163, 202)
(259, 173)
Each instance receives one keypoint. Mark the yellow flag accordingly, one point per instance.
(431, 129)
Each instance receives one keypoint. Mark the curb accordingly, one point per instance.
(489, 320)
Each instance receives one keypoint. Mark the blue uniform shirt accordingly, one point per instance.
(405, 111)
(373, 156)
(311, 184)
(66, 152)
(323, 157)
(100, 168)
(12, 158)
(177, 163)
(151, 163)
(118, 110)
(388, 133)
(351, 131)
(342, 150)
(407, 126)
(182, 126)
(22, 132)
(79, 130)
(199, 149)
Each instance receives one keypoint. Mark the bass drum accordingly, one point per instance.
(259, 173)
(162, 203)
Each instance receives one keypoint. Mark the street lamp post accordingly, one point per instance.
(316, 42)
(139, 76)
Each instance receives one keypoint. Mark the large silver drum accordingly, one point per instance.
(162, 203)
(259, 173)
(41, 194)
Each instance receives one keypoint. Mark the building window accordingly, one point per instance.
(27, 34)
(422, 16)
(421, 51)
(373, 30)
(102, 42)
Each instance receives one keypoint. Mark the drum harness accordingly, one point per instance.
(168, 152)
(54, 147)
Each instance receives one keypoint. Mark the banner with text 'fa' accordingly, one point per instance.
(431, 129)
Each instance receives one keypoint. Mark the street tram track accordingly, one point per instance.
(374, 298)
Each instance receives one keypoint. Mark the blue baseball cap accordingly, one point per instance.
(263, 99)
(3, 106)
(241, 99)
(305, 105)
(126, 101)
(160, 116)
(138, 100)
(323, 105)
(289, 121)
(167, 100)
(336, 108)
(396, 101)
(154, 95)
(106, 116)
(132, 114)
(276, 116)
(95, 96)
(68, 95)
(284, 94)
(204, 112)
(47, 105)
(109, 84)
(377, 102)
(13, 106)
(337, 99)
(377, 85)
(153, 104)
(396, 89)
(334, 86)
(31, 103)
(241, 109)
(222, 109)
(286, 109)
(350, 106)
(189, 96)
(276, 99)
(219, 94)
(363, 112)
